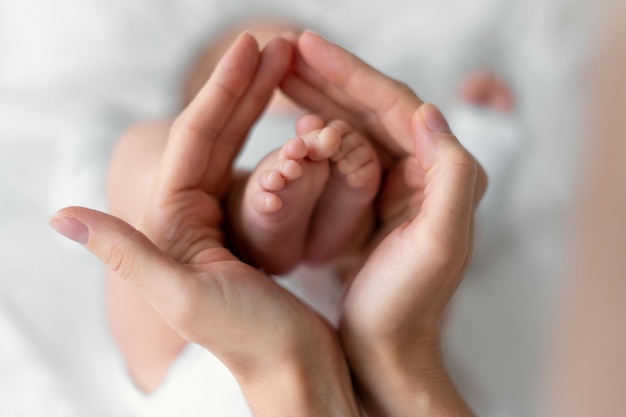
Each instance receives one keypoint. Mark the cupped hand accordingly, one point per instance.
(392, 310)
(177, 259)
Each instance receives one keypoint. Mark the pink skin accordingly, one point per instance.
(344, 213)
(310, 200)
(485, 88)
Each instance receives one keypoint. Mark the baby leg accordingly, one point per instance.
(273, 209)
(148, 344)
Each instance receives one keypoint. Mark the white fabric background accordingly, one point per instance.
(75, 73)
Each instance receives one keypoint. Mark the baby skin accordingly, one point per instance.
(310, 201)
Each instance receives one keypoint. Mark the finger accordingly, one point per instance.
(274, 61)
(193, 135)
(383, 105)
(453, 180)
(128, 253)
(313, 99)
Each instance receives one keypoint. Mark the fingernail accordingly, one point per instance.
(434, 119)
(310, 32)
(70, 227)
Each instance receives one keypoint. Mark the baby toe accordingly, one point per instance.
(293, 149)
(365, 176)
(354, 160)
(322, 144)
(272, 180)
(266, 202)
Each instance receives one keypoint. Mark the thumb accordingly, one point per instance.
(453, 177)
(124, 250)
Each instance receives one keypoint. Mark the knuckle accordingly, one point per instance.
(464, 159)
(187, 125)
(119, 261)
(463, 164)
(469, 167)
(448, 255)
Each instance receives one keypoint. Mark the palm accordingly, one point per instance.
(426, 204)
(224, 304)
(189, 229)
(377, 282)
(187, 226)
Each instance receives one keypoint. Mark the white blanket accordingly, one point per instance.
(75, 73)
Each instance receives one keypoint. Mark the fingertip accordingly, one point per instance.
(313, 46)
(305, 35)
(310, 35)
(247, 37)
(69, 226)
(436, 145)
(434, 119)
(245, 45)
(429, 127)
(290, 36)
(279, 52)
(280, 40)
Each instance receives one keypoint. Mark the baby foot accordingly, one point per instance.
(486, 89)
(356, 163)
(344, 214)
(280, 198)
(296, 160)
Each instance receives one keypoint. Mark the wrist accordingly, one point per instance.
(408, 379)
(295, 390)
(311, 380)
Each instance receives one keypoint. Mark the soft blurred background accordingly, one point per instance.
(75, 73)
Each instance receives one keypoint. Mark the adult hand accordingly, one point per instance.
(392, 311)
(267, 338)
